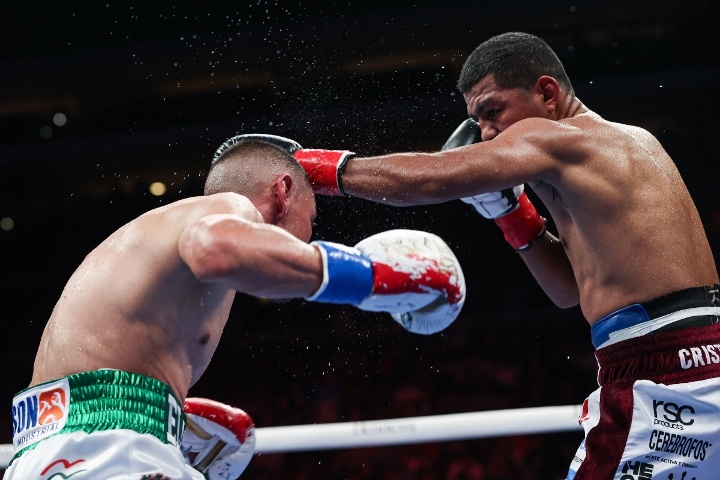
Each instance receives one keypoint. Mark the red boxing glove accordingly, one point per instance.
(219, 440)
(324, 168)
(522, 225)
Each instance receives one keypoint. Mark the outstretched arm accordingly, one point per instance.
(253, 258)
(521, 154)
(412, 275)
(525, 152)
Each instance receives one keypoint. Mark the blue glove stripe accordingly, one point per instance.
(348, 275)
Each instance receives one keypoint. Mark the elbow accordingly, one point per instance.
(566, 303)
(205, 269)
(567, 299)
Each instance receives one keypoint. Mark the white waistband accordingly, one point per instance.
(650, 326)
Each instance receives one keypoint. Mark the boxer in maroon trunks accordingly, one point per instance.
(630, 245)
(655, 413)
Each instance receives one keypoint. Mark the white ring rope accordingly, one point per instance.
(404, 431)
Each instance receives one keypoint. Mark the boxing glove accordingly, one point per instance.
(510, 208)
(219, 440)
(323, 167)
(412, 275)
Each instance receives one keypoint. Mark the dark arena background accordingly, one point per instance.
(109, 109)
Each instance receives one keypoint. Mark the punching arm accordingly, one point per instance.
(525, 152)
(253, 258)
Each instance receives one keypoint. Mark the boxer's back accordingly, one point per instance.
(628, 223)
(134, 305)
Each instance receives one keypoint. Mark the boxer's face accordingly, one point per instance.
(495, 107)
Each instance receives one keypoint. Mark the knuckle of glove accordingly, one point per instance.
(418, 279)
(217, 419)
(466, 134)
(291, 146)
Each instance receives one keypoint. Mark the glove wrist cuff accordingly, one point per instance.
(324, 169)
(522, 225)
(347, 275)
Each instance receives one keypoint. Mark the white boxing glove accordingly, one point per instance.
(412, 275)
(496, 204)
(219, 440)
(417, 279)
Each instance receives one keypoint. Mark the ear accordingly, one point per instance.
(283, 186)
(549, 88)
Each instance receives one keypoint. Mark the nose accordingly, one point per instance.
(487, 131)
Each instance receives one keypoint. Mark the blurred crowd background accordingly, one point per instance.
(109, 109)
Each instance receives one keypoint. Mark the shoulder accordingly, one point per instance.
(229, 203)
(225, 201)
(570, 139)
(543, 131)
(192, 209)
(542, 145)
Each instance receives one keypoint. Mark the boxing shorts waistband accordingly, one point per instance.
(692, 307)
(677, 356)
(95, 401)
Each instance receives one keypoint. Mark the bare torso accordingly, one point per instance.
(134, 305)
(624, 216)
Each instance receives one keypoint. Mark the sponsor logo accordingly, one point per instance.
(637, 471)
(53, 405)
(699, 356)
(63, 464)
(679, 445)
(670, 461)
(175, 422)
(39, 412)
(383, 427)
(672, 415)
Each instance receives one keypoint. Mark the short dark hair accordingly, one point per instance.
(247, 166)
(515, 60)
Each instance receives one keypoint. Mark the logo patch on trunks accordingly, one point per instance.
(695, 357)
(65, 465)
(40, 412)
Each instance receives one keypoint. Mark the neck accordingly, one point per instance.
(571, 107)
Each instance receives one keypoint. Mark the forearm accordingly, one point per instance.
(550, 266)
(405, 179)
(399, 179)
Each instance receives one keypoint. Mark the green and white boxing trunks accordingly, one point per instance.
(103, 425)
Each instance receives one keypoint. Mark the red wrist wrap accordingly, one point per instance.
(522, 225)
(323, 168)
